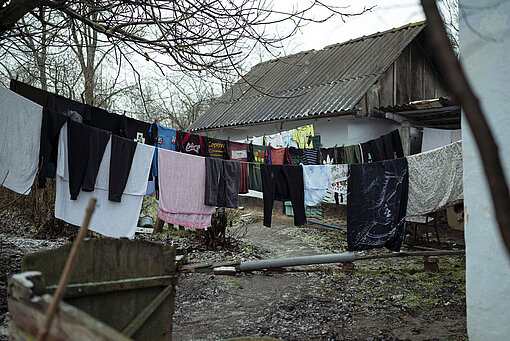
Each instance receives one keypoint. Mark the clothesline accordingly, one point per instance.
(191, 186)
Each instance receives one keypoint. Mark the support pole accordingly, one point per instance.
(406, 137)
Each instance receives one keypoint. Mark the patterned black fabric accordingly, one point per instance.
(296, 155)
(376, 204)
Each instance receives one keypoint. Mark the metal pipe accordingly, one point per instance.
(305, 260)
(326, 224)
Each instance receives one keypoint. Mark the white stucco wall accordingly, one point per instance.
(487, 65)
(335, 130)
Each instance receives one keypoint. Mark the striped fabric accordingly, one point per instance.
(310, 156)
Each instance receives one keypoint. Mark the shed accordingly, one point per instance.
(344, 89)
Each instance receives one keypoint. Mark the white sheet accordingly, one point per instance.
(20, 135)
(112, 219)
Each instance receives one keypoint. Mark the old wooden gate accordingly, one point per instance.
(127, 284)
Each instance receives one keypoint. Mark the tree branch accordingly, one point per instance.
(458, 83)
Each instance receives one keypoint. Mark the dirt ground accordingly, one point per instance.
(388, 299)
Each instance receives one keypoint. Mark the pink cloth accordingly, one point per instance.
(182, 190)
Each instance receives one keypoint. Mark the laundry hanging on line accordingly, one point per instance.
(377, 196)
(385, 147)
(182, 190)
(222, 180)
(110, 218)
(20, 138)
(435, 179)
(337, 190)
(283, 183)
(316, 183)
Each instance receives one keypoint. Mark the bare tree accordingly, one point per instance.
(195, 35)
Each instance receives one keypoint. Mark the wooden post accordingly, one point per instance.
(431, 263)
(348, 267)
(158, 226)
(406, 137)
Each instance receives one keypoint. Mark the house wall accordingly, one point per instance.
(411, 77)
(335, 130)
(487, 261)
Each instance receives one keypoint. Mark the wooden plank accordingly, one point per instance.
(69, 322)
(140, 319)
(28, 313)
(98, 288)
(225, 270)
(416, 73)
(208, 266)
(402, 78)
(386, 87)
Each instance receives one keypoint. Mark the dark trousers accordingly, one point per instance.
(283, 182)
(50, 131)
(98, 139)
(123, 151)
(86, 147)
(221, 182)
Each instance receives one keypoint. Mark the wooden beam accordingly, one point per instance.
(98, 288)
(397, 118)
(140, 319)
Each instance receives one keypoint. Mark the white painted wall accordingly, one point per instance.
(335, 130)
(486, 61)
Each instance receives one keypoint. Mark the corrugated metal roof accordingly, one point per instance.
(309, 83)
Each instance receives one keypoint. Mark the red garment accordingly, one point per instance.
(238, 151)
(243, 181)
(277, 155)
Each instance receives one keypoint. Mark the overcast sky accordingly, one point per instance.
(386, 14)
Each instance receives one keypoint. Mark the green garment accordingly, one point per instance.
(316, 141)
(254, 177)
(352, 154)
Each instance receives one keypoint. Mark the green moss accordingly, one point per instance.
(230, 281)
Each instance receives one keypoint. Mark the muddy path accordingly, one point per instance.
(392, 299)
